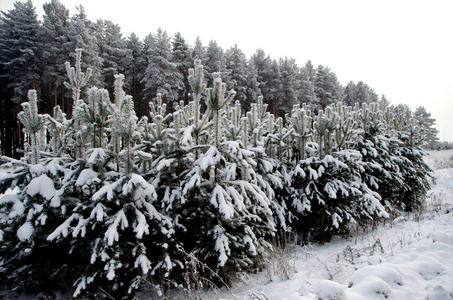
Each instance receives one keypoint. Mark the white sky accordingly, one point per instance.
(403, 49)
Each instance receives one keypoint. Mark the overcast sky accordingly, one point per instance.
(403, 49)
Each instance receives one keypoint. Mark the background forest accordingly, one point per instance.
(144, 157)
(33, 54)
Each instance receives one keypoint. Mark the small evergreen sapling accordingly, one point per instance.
(60, 132)
(223, 210)
(27, 217)
(33, 125)
(77, 79)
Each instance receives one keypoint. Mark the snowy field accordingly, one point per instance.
(410, 257)
(440, 159)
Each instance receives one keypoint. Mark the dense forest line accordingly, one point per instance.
(33, 56)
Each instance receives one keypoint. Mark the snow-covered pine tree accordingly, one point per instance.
(115, 56)
(124, 123)
(236, 64)
(96, 114)
(300, 128)
(60, 132)
(135, 71)
(41, 195)
(265, 76)
(33, 125)
(216, 102)
(327, 88)
(19, 51)
(359, 93)
(115, 228)
(416, 173)
(252, 85)
(431, 141)
(27, 216)
(225, 217)
(198, 85)
(287, 93)
(271, 174)
(162, 75)
(215, 62)
(53, 36)
(380, 163)
(306, 89)
(116, 231)
(329, 195)
(168, 141)
(325, 125)
(77, 80)
(80, 35)
(182, 57)
(328, 190)
(346, 131)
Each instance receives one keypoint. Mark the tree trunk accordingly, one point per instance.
(55, 86)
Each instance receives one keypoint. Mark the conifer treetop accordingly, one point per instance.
(77, 79)
(33, 123)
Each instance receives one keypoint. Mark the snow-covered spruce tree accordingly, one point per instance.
(224, 216)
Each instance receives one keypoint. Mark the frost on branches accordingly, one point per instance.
(104, 201)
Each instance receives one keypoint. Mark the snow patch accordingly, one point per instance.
(25, 232)
(41, 185)
(86, 177)
(330, 290)
(37, 170)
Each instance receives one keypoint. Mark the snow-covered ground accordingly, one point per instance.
(410, 257)
(440, 159)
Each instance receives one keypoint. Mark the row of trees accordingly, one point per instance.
(33, 53)
(104, 200)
